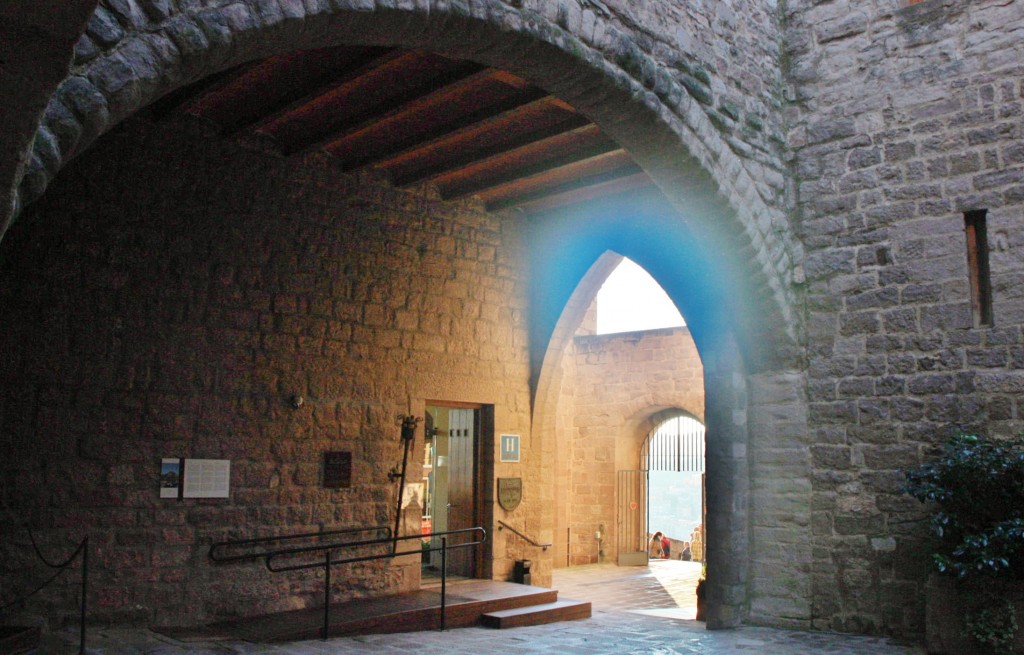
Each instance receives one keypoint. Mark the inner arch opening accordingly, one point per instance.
(630, 300)
(614, 390)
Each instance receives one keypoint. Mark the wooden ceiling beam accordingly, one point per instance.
(359, 95)
(419, 117)
(475, 139)
(183, 100)
(528, 159)
(612, 187)
(267, 87)
(424, 117)
(606, 165)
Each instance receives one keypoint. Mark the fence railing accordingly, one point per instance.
(277, 559)
(529, 540)
(83, 550)
(258, 548)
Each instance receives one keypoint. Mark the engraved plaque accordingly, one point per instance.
(510, 493)
(337, 469)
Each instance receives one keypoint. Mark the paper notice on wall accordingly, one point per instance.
(207, 478)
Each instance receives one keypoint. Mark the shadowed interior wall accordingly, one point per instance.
(169, 297)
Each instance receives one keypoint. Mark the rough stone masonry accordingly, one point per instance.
(164, 290)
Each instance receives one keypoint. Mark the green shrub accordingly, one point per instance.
(978, 488)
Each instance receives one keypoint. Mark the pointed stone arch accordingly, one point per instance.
(586, 59)
(641, 234)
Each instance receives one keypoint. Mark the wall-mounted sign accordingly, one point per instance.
(510, 493)
(206, 478)
(194, 478)
(510, 447)
(337, 469)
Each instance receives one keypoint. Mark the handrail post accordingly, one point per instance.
(328, 549)
(408, 424)
(85, 590)
(327, 595)
(444, 577)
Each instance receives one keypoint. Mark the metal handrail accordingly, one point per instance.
(216, 557)
(369, 542)
(270, 555)
(83, 550)
(529, 540)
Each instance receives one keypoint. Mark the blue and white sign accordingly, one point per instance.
(510, 447)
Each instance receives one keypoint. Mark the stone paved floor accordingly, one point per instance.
(666, 588)
(637, 611)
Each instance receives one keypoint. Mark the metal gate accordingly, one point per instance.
(675, 445)
(631, 518)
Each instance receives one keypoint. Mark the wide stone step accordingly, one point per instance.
(467, 601)
(559, 610)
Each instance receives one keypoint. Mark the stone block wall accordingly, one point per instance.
(902, 118)
(168, 298)
(724, 54)
(614, 388)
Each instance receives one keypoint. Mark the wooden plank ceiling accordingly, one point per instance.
(419, 118)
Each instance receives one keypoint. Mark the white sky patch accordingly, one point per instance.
(631, 300)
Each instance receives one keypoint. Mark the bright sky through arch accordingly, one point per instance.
(631, 300)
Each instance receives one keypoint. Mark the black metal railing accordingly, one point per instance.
(257, 548)
(83, 550)
(327, 550)
(529, 540)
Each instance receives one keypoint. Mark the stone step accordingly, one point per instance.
(467, 601)
(559, 610)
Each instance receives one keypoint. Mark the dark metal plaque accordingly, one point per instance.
(337, 469)
(510, 493)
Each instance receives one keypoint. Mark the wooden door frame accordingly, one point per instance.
(483, 471)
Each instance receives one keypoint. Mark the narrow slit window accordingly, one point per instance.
(977, 266)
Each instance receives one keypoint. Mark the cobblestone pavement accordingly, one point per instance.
(635, 613)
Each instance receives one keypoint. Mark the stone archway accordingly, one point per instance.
(714, 194)
(587, 58)
(725, 372)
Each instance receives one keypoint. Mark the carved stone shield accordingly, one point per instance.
(510, 493)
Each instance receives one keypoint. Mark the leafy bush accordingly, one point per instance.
(978, 486)
(992, 623)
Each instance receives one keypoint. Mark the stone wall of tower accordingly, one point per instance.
(902, 118)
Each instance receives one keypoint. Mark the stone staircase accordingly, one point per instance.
(468, 602)
(559, 610)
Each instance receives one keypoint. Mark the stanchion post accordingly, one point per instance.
(327, 595)
(85, 590)
(444, 577)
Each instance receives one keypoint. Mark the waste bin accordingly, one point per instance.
(521, 572)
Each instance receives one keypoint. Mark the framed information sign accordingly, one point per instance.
(510, 447)
(337, 469)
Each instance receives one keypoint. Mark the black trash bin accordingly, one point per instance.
(521, 573)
